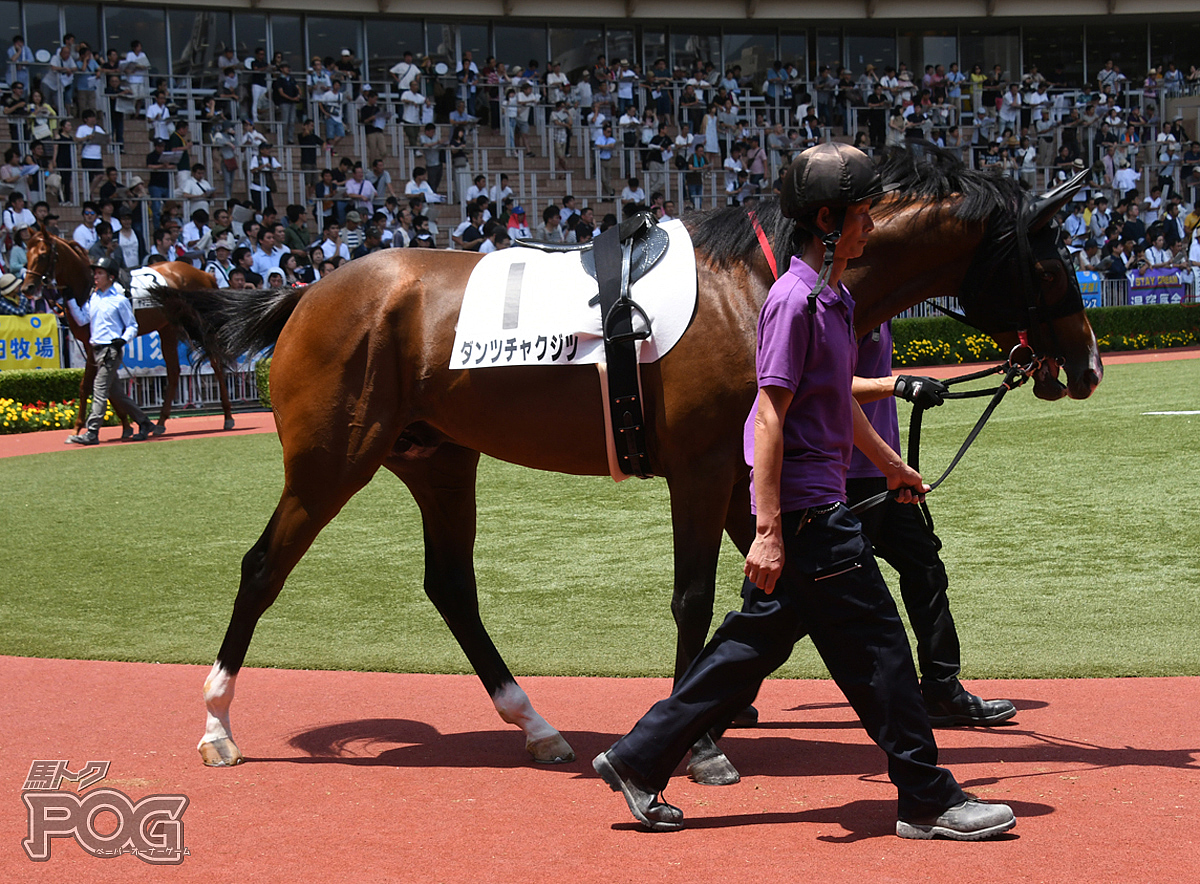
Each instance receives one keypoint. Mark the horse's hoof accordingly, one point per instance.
(220, 753)
(713, 770)
(550, 750)
(228, 423)
(158, 430)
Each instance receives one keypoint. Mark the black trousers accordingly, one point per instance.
(901, 538)
(830, 589)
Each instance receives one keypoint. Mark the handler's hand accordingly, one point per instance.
(922, 391)
(907, 483)
(764, 562)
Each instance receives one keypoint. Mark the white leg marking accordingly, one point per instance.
(514, 707)
(218, 694)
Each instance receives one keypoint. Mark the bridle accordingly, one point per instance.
(48, 273)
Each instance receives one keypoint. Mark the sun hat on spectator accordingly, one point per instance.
(354, 216)
(223, 243)
(9, 285)
(518, 210)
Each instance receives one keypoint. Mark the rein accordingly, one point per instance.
(1015, 372)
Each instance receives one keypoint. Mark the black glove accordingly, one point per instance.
(924, 392)
(119, 343)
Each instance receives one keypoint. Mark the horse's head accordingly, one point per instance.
(47, 258)
(1048, 308)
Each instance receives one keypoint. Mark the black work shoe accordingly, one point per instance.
(143, 432)
(972, 820)
(968, 710)
(83, 439)
(655, 815)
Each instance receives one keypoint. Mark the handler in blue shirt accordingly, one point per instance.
(113, 326)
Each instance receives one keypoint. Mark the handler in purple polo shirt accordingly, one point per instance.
(810, 569)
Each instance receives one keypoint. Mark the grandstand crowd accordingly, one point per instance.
(266, 176)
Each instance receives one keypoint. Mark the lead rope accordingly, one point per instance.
(1015, 374)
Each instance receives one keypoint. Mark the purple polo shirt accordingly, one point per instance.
(813, 356)
(875, 361)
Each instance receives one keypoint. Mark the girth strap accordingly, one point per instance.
(620, 349)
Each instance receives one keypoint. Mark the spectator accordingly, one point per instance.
(61, 79)
(197, 235)
(413, 104)
(224, 143)
(551, 229)
(263, 166)
(106, 246)
(158, 116)
(404, 71)
(362, 191)
(418, 185)
(257, 65)
(381, 178)
(318, 78)
(331, 105)
(431, 148)
(85, 231)
(296, 237)
(605, 143)
(331, 244)
(220, 265)
(285, 93)
(243, 260)
(468, 235)
(373, 117)
(371, 243)
(632, 194)
(129, 241)
(517, 228)
(353, 233)
(135, 68)
(20, 57)
(266, 256)
(197, 189)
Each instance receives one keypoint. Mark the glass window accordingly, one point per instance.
(1057, 52)
(793, 49)
(753, 53)
(521, 45)
(990, 47)
(327, 37)
(43, 31)
(1124, 44)
(84, 23)
(10, 22)
(620, 45)
(197, 38)
(476, 40)
(386, 41)
(576, 49)
(919, 49)
(654, 47)
(865, 47)
(829, 49)
(1178, 42)
(124, 24)
(250, 32)
(287, 37)
(696, 44)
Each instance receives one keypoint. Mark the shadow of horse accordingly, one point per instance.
(398, 742)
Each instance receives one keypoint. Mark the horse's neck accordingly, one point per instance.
(910, 257)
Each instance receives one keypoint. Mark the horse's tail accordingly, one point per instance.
(222, 324)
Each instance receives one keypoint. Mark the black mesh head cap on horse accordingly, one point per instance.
(834, 176)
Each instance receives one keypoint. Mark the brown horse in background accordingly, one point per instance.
(53, 258)
(360, 380)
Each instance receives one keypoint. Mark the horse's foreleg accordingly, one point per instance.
(299, 517)
(699, 501)
(443, 484)
(169, 343)
(219, 374)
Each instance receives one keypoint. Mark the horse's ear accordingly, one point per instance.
(1042, 209)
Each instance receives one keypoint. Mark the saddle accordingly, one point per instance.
(616, 259)
(648, 243)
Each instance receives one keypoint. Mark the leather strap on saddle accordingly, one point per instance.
(613, 262)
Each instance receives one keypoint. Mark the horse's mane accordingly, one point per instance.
(927, 175)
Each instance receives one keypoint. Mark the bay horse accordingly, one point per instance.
(51, 257)
(360, 380)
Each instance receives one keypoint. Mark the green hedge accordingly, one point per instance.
(939, 340)
(43, 385)
(262, 377)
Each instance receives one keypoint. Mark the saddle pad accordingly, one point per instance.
(525, 307)
(141, 281)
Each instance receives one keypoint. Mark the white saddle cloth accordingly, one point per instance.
(140, 282)
(526, 307)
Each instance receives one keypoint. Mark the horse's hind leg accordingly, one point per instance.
(170, 354)
(317, 485)
(442, 481)
(219, 374)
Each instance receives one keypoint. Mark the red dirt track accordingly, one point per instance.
(376, 777)
(412, 778)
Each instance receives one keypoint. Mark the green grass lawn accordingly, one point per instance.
(1071, 537)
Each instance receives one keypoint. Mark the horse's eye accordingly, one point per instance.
(1047, 276)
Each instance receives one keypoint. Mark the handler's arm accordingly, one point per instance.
(899, 475)
(764, 562)
(872, 389)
